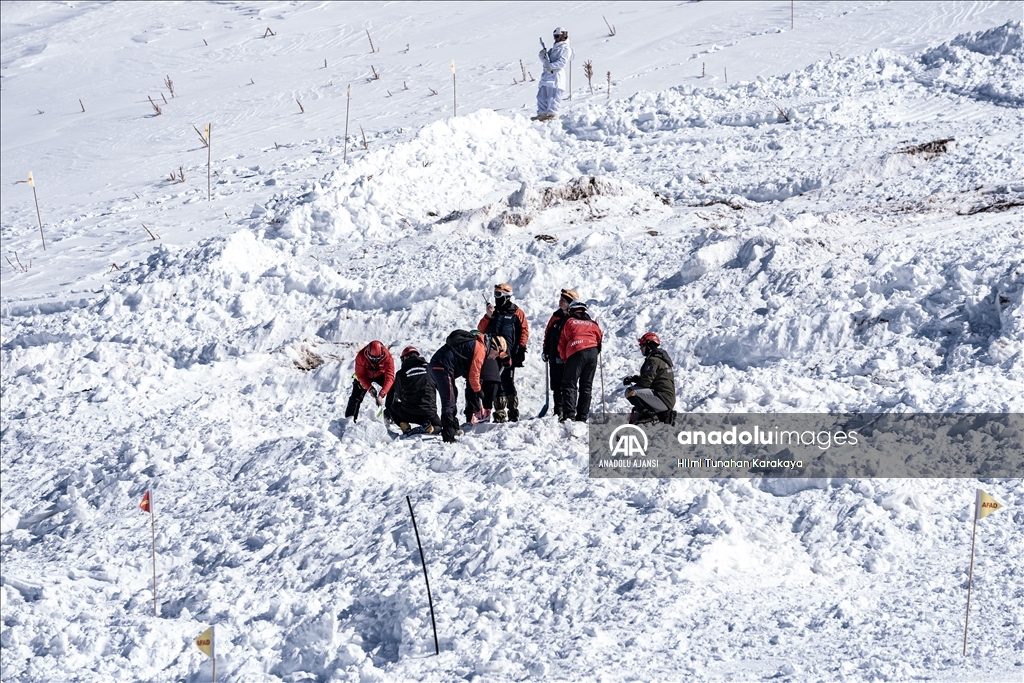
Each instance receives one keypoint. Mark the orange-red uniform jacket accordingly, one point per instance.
(383, 372)
(578, 334)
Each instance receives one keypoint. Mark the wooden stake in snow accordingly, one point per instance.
(455, 99)
(32, 183)
(147, 506)
(209, 159)
(348, 103)
(423, 559)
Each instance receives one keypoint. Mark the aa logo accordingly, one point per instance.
(628, 441)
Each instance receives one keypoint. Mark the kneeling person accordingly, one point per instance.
(415, 396)
(654, 390)
(374, 365)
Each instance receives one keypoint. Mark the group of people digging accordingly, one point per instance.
(488, 356)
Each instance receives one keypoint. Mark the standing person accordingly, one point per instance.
(578, 347)
(503, 318)
(413, 398)
(552, 334)
(553, 80)
(374, 364)
(462, 355)
(654, 390)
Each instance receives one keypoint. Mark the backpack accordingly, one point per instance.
(504, 323)
(458, 337)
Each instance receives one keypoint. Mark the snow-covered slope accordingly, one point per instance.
(824, 232)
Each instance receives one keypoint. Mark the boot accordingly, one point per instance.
(449, 427)
(667, 417)
(513, 409)
(500, 413)
(404, 426)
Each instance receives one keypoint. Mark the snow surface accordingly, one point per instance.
(790, 235)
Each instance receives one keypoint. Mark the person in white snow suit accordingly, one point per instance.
(553, 82)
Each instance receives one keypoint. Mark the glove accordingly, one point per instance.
(632, 379)
(518, 358)
(475, 401)
(543, 54)
(544, 357)
(599, 348)
(380, 399)
(373, 392)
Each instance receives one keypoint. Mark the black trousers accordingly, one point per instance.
(577, 384)
(399, 413)
(557, 372)
(356, 400)
(508, 381)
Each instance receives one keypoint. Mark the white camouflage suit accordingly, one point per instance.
(553, 81)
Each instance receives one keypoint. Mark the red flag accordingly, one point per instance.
(145, 503)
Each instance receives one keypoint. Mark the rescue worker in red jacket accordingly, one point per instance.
(578, 348)
(374, 365)
(552, 335)
(506, 319)
(462, 355)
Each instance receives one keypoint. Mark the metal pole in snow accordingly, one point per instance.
(209, 157)
(348, 103)
(39, 216)
(152, 521)
(455, 99)
(423, 559)
(970, 579)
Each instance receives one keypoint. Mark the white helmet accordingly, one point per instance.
(559, 31)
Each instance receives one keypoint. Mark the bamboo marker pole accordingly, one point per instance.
(348, 103)
(32, 183)
(209, 158)
(455, 98)
(970, 576)
(570, 80)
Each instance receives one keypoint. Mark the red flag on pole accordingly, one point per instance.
(145, 503)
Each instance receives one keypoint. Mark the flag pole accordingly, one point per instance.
(213, 649)
(970, 579)
(209, 157)
(152, 521)
(348, 103)
(32, 184)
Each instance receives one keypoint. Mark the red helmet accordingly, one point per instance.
(649, 338)
(375, 351)
(409, 350)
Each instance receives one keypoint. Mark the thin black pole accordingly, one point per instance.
(604, 403)
(423, 559)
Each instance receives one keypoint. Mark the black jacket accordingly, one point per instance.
(656, 375)
(414, 388)
(552, 333)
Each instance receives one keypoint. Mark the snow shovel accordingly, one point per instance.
(547, 391)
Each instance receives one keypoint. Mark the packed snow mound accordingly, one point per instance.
(401, 189)
(968, 63)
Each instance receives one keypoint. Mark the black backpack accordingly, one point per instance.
(504, 324)
(459, 337)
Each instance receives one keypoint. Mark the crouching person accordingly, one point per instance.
(415, 396)
(653, 392)
(374, 365)
(462, 355)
